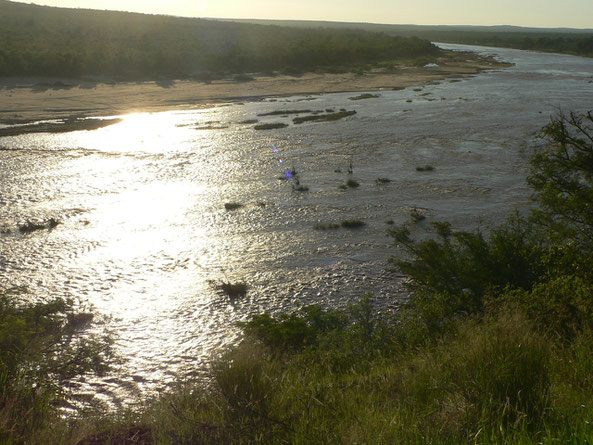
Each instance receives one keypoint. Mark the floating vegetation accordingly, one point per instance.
(326, 226)
(352, 183)
(63, 126)
(234, 290)
(232, 205)
(426, 168)
(324, 117)
(330, 110)
(211, 127)
(271, 126)
(390, 222)
(409, 100)
(454, 80)
(398, 88)
(417, 89)
(284, 112)
(416, 215)
(365, 96)
(31, 226)
(249, 121)
(300, 188)
(382, 181)
(353, 224)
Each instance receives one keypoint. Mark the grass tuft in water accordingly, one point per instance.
(353, 224)
(232, 206)
(234, 290)
(271, 126)
(326, 226)
(352, 183)
(416, 215)
(365, 96)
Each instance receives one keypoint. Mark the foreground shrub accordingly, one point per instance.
(39, 351)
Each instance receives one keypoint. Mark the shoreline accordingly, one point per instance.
(42, 99)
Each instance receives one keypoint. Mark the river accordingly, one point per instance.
(144, 237)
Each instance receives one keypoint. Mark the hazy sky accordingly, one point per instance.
(536, 13)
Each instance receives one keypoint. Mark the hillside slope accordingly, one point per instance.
(45, 41)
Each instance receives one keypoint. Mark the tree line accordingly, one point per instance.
(44, 41)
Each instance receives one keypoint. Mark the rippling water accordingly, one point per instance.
(144, 232)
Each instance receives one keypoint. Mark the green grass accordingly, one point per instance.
(426, 168)
(319, 376)
(352, 183)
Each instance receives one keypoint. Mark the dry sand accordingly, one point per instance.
(25, 100)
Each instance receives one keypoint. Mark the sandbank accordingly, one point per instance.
(27, 100)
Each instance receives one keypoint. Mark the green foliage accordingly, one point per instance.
(562, 177)
(463, 268)
(549, 41)
(564, 304)
(491, 380)
(296, 330)
(542, 262)
(42, 41)
(38, 352)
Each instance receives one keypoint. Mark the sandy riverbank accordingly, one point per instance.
(25, 100)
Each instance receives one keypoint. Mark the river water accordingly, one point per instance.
(144, 236)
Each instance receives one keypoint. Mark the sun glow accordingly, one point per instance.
(148, 132)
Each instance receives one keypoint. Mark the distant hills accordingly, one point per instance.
(414, 29)
(561, 40)
(58, 42)
(47, 41)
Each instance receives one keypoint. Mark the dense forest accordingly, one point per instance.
(44, 41)
(569, 43)
(558, 40)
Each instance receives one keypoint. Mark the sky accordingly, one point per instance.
(531, 13)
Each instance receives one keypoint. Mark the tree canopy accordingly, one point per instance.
(44, 41)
